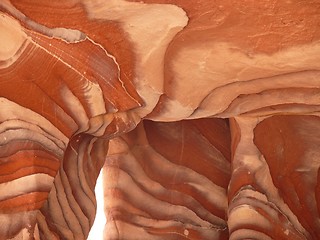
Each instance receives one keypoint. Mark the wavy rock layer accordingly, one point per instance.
(290, 147)
(76, 74)
(158, 187)
(56, 99)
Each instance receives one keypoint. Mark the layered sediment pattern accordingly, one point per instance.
(203, 115)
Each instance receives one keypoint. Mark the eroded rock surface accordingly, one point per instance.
(203, 113)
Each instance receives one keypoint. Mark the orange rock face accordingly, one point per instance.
(203, 116)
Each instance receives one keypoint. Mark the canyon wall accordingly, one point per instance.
(202, 115)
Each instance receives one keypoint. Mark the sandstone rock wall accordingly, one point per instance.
(203, 115)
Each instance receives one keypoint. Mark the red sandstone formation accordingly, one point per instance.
(203, 115)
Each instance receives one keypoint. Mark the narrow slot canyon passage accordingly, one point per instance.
(159, 120)
(235, 178)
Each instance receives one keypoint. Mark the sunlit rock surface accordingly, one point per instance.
(202, 115)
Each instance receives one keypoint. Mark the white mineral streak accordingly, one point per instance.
(67, 35)
(24, 185)
(219, 72)
(150, 27)
(248, 156)
(13, 40)
(12, 111)
(118, 73)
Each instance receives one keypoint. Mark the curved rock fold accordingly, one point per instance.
(202, 116)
